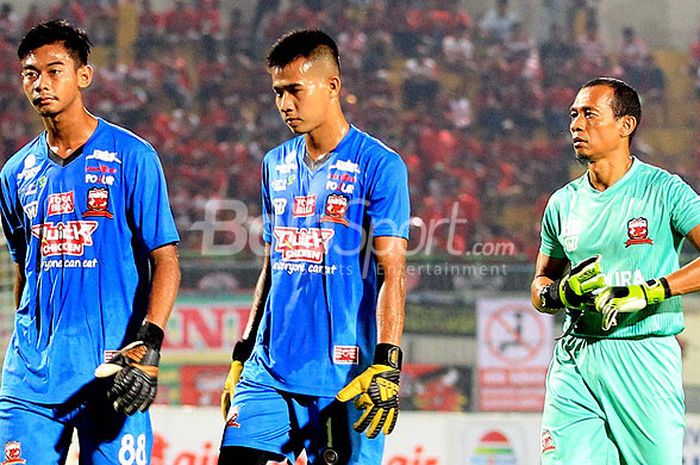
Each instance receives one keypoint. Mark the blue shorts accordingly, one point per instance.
(41, 434)
(263, 418)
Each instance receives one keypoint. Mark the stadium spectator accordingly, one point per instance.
(497, 22)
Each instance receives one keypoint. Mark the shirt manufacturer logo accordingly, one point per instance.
(105, 156)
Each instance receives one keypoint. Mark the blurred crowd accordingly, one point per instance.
(477, 108)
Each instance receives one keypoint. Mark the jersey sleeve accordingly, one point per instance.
(684, 205)
(266, 205)
(148, 201)
(389, 205)
(549, 243)
(12, 224)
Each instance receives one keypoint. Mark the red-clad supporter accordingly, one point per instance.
(435, 89)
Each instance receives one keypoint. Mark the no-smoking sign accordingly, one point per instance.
(512, 333)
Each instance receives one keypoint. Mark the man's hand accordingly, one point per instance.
(376, 390)
(628, 299)
(136, 369)
(575, 289)
(241, 352)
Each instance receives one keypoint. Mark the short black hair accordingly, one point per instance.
(625, 99)
(307, 43)
(74, 39)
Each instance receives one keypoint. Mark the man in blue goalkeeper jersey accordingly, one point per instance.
(614, 390)
(87, 220)
(325, 325)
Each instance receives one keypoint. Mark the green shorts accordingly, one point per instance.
(614, 402)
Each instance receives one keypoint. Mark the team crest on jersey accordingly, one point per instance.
(336, 209)
(304, 205)
(547, 442)
(98, 202)
(638, 232)
(306, 245)
(346, 355)
(13, 453)
(60, 203)
(233, 419)
(64, 238)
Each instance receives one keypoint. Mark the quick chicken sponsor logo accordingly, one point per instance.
(307, 245)
(64, 238)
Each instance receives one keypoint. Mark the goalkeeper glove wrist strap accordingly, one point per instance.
(388, 354)
(242, 350)
(151, 334)
(550, 297)
(657, 290)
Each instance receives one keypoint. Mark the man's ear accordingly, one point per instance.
(85, 73)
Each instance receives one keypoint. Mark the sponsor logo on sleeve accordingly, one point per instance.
(304, 205)
(306, 245)
(638, 232)
(98, 202)
(336, 209)
(346, 355)
(60, 203)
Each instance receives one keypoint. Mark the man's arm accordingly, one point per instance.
(20, 280)
(262, 289)
(243, 347)
(687, 279)
(164, 284)
(391, 255)
(547, 270)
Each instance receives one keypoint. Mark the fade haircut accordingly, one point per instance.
(308, 43)
(625, 100)
(73, 39)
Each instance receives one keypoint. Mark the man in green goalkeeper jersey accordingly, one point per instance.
(614, 390)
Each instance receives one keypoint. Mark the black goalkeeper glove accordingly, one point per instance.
(136, 369)
(575, 289)
(376, 390)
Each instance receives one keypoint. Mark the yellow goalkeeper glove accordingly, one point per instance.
(241, 352)
(628, 299)
(575, 289)
(376, 391)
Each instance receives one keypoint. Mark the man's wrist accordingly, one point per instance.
(151, 334)
(388, 354)
(550, 298)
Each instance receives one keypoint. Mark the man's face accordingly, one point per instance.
(303, 94)
(594, 130)
(51, 79)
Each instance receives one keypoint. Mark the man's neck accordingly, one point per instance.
(605, 172)
(66, 133)
(326, 137)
